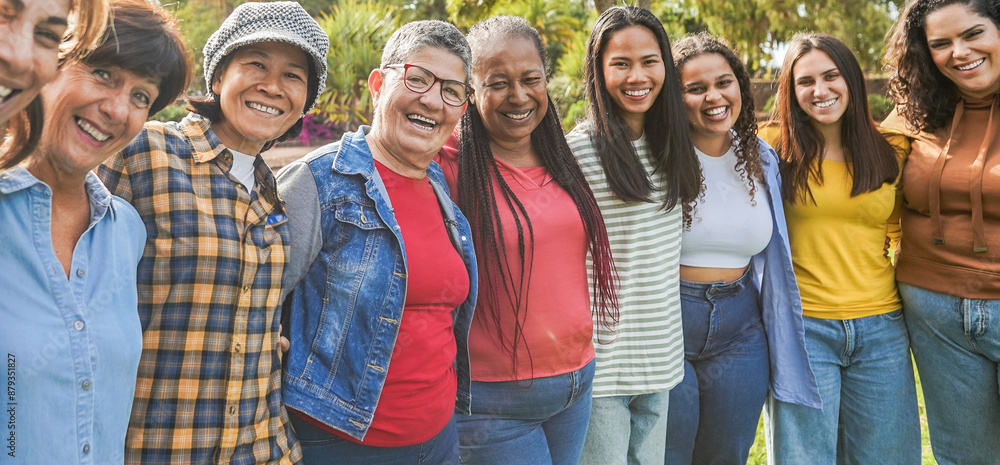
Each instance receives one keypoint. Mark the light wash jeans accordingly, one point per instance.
(869, 398)
(956, 344)
(714, 411)
(542, 422)
(627, 430)
(320, 447)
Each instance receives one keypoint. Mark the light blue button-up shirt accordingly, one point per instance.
(71, 345)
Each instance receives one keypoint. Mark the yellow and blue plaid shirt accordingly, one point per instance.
(209, 381)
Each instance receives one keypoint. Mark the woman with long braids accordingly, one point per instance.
(534, 220)
(635, 152)
(945, 59)
(742, 315)
(841, 198)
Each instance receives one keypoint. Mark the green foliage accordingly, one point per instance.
(175, 112)
(358, 30)
(879, 106)
(769, 105)
(567, 86)
(559, 22)
(198, 20)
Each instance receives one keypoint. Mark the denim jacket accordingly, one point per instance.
(346, 309)
(791, 378)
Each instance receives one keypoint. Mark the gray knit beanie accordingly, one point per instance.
(256, 22)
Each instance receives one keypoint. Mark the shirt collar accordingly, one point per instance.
(205, 144)
(19, 178)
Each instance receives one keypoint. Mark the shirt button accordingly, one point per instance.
(246, 288)
(78, 325)
(86, 448)
(232, 410)
(238, 347)
(81, 273)
(85, 385)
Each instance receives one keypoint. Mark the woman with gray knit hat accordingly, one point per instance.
(209, 379)
(383, 270)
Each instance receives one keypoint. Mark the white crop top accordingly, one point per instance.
(726, 228)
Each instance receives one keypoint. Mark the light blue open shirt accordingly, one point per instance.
(71, 346)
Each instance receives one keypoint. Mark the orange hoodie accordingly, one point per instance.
(951, 210)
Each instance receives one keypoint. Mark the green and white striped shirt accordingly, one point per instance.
(646, 352)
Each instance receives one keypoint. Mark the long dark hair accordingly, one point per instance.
(142, 38)
(748, 162)
(665, 126)
(477, 171)
(924, 97)
(873, 160)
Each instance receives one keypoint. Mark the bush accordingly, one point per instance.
(880, 106)
(175, 112)
(358, 30)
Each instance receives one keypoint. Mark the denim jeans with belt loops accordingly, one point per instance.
(544, 422)
(714, 412)
(956, 344)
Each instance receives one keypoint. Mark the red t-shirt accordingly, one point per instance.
(556, 316)
(418, 398)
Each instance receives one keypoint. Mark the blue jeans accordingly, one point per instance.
(627, 430)
(320, 447)
(514, 422)
(956, 344)
(714, 411)
(869, 397)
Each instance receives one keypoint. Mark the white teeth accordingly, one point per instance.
(637, 93)
(826, 103)
(971, 65)
(5, 91)
(422, 119)
(92, 131)
(716, 111)
(268, 110)
(518, 115)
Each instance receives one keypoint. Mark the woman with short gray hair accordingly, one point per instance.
(382, 270)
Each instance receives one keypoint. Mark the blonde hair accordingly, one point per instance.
(87, 22)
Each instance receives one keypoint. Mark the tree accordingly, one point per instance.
(358, 30)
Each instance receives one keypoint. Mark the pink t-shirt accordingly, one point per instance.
(556, 317)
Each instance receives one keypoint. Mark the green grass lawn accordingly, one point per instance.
(758, 453)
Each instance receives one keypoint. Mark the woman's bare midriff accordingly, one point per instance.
(699, 274)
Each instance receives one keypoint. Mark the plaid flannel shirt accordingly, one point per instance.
(209, 381)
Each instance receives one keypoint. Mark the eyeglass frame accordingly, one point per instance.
(406, 67)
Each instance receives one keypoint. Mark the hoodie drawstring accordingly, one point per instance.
(975, 180)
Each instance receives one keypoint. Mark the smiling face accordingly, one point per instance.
(262, 92)
(29, 50)
(410, 127)
(820, 88)
(509, 79)
(91, 113)
(633, 73)
(966, 49)
(712, 100)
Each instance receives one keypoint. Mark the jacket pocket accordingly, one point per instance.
(359, 233)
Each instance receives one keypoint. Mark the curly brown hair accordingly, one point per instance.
(924, 97)
(748, 162)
